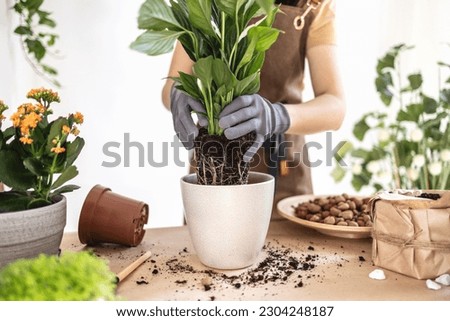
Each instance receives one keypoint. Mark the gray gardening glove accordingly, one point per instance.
(181, 106)
(253, 113)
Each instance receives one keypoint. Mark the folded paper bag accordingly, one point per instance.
(411, 235)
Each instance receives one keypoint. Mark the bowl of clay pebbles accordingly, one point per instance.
(336, 215)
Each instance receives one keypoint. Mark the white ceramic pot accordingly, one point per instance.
(26, 234)
(228, 224)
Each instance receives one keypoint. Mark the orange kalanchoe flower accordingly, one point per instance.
(46, 95)
(26, 140)
(66, 129)
(78, 118)
(58, 150)
(75, 131)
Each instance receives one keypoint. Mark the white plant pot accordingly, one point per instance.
(26, 234)
(228, 224)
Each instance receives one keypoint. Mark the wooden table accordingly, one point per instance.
(322, 268)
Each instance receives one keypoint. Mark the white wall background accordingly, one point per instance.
(118, 90)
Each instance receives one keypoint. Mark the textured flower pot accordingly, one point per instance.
(107, 217)
(26, 234)
(228, 224)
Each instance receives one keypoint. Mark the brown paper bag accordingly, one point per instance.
(411, 235)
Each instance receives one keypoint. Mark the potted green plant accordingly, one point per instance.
(227, 41)
(79, 276)
(409, 141)
(37, 158)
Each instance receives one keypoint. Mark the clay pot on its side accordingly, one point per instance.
(107, 217)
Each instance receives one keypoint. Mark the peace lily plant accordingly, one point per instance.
(37, 154)
(222, 38)
(410, 146)
(227, 41)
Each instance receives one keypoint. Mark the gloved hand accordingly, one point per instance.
(253, 113)
(181, 106)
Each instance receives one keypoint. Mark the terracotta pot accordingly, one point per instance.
(26, 234)
(1, 187)
(228, 223)
(107, 217)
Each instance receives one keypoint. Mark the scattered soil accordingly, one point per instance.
(220, 161)
(279, 265)
(431, 196)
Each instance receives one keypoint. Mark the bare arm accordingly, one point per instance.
(327, 110)
(180, 62)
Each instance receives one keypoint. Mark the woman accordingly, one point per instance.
(278, 108)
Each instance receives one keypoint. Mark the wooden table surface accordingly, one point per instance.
(298, 264)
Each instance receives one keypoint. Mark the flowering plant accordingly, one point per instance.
(34, 149)
(412, 136)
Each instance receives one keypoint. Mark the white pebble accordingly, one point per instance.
(433, 285)
(377, 274)
(444, 279)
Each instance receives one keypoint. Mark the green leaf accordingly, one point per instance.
(36, 48)
(360, 153)
(360, 129)
(181, 14)
(13, 202)
(157, 15)
(35, 166)
(73, 150)
(445, 95)
(443, 64)
(33, 5)
(189, 85)
(64, 189)
(265, 37)
(38, 202)
(359, 181)
(405, 151)
(415, 81)
(49, 70)
(200, 15)
(155, 43)
(69, 173)
(222, 74)
(412, 113)
(230, 7)
(55, 131)
(266, 5)
(344, 150)
(382, 84)
(248, 86)
(388, 61)
(23, 30)
(430, 105)
(13, 173)
(48, 22)
(202, 69)
(338, 173)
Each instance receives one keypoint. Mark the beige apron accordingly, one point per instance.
(282, 81)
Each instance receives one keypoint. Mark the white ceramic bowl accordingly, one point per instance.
(228, 224)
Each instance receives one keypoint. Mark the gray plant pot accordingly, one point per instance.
(26, 234)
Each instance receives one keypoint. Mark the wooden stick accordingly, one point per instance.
(133, 266)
